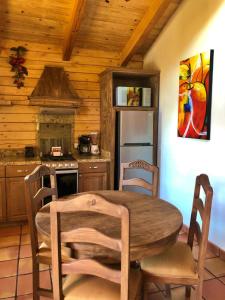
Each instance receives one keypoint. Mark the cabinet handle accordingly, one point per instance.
(21, 171)
(80, 175)
(95, 167)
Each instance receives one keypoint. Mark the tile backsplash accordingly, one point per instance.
(55, 135)
(55, 130)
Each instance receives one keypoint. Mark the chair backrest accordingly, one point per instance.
(140, 164)
(35, 195)
(89, 203)
(203, 207)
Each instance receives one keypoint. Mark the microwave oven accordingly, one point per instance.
(133, 96)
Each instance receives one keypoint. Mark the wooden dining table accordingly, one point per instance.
(154, 224)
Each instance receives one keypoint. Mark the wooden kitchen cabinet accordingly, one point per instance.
(15, 191)
(93, 176)
(2, 195)
(16, 206)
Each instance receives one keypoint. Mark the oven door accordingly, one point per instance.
(67, 183)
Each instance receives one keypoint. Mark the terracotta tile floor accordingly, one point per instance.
(15, 265)
(16, 277)
(214, 283)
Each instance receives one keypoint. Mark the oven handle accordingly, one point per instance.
(69, 171)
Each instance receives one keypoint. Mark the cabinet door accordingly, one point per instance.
(16, 206)
(2, 200)
(92, 182)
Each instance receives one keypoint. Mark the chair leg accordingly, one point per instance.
(188, 292)
(199, 291)
(168, 290)
(145, 295)
(144, 288)
(36, 281)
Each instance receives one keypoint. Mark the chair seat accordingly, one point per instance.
(45, 254)
(85, 287)
(176, 262)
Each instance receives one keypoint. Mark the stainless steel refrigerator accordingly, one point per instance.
(134, 140)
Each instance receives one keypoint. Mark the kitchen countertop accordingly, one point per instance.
(13, 160)
(90, 158)
(9, 161)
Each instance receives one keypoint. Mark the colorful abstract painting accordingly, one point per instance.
(195, 91)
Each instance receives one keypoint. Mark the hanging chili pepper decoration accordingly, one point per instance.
(16, 60)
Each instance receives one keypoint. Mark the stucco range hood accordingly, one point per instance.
(54, 90)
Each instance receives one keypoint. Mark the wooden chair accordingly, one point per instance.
(140, 164)
(177, 265)
(102, 281)
(34, 200)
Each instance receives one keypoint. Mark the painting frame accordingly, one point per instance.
(195, 96)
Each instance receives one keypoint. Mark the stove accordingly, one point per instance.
(66, 170)
(60, 162)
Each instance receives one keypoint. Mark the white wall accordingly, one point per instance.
(197, 26)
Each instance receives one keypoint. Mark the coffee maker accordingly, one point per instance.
(84, 146)
(94, 143)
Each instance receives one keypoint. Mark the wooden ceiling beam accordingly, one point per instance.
(152, 15)
(73, 28)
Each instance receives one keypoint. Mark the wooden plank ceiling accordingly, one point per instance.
(125, 26)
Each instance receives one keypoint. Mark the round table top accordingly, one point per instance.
(154, 224)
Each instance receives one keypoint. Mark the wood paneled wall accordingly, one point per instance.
(18, 122)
